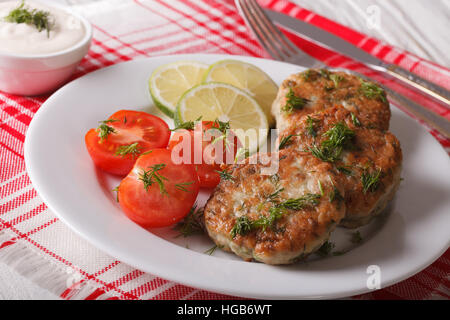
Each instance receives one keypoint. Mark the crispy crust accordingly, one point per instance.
(322, 93)
(372, 151)
(298, 232)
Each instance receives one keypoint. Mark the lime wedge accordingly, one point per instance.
(225, 102)
(247, 77)
(168, 83)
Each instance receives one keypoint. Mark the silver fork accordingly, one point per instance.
(271, 38)
(281, 48)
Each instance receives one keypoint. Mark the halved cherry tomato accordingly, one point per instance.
(157, 192)
(208, 164)
(130, 134)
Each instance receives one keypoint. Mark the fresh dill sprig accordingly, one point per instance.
(320, 188)
(286, 141)
(345, 170)
(210, 251)
(373, 91)
(339, 137)
(274, 195)
(224, 128)
(356, 237)
(355, 120)
(335, 195)
(293, 102)
(149, 177)
(325, 154)
(183, 186)
(336, 78)
(244, 225)
(133, 149)
(310, 126)
(325, 249)
(192, 223)
(370, 181)
(188, 125)
(225, 175)
(40, 19)
(325, 73)
(309, 199)
(104, 130)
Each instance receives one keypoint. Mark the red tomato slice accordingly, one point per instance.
(153, 204)
(132, 133)
(209, 165)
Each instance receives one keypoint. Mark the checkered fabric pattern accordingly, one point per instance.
(41, 247)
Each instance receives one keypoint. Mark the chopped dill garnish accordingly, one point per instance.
(225, 175)
(336, 78)
(192, 223)
(356, 237)
(188, 125)
(320, 187)
(221, 125)
(370, 181)
(310, 126)
(40, 19)
(182, 186)
(149, 177)
(373, 91)
(244, 225)
(309, 199)
(132, 149)
(355, 120)
(345, 170)
(286, 141)
(293, 102)
(104, 130)
(335, 195)
(210, 251)
(339, 137)
(116, 190)
(274, 195)
(326, 248)
(307, 74)
(146, 152)
(241, 154)
(224, 128)
(325, 73)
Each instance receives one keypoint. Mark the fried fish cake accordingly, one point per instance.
(277, 218)
(315, 90)
(369, 160)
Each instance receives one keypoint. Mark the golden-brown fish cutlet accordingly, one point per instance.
(278, 218)
(315, 90)
(369, 160)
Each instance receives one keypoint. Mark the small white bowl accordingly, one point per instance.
(31, 75)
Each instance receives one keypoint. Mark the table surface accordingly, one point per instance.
(417, 26)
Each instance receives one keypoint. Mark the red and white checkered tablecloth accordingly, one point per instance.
(39, 246)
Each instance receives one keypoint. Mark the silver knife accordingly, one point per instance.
(326, 39)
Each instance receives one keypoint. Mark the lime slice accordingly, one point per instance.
(247, 77)
(168, 83)
(225, 102)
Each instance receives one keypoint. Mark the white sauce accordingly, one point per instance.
(23, 39)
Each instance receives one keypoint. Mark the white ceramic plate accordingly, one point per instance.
(413, 233)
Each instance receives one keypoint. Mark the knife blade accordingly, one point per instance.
(330, 41)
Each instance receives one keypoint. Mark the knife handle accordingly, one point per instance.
(419, 83)
(432, 119)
